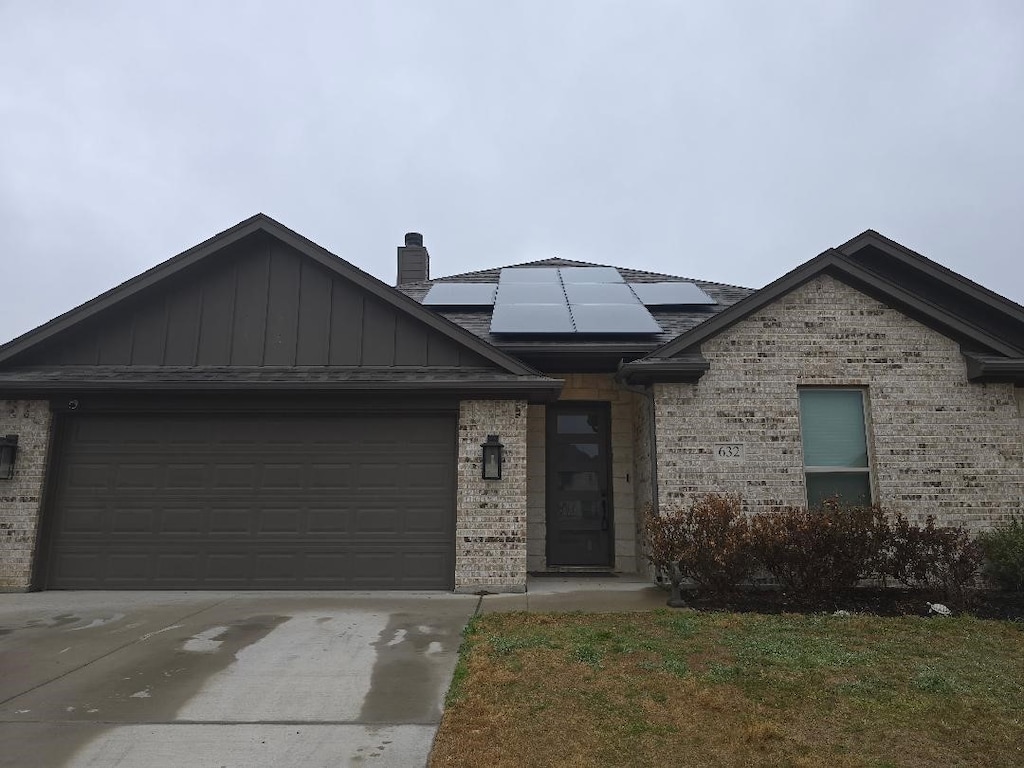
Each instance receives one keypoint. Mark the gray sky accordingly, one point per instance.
(728, 141)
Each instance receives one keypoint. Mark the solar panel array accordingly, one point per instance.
(670, 294)
(567, 300)
(461, 295)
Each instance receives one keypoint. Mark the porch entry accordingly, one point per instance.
(579, 500)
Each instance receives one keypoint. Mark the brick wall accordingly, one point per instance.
(594, 387)
(644, 479)
(20, 496)
(940, 444)
(490, 529)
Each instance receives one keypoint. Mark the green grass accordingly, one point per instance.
(735, 689)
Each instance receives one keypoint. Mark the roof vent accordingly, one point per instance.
(413, 260)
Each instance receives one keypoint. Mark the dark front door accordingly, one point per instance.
(579, 509)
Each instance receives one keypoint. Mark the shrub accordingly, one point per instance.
(1003, 549)
(665, 538)
(718, 548)
(942, 557)
(709, 542)
(815, 550)
(908, 551)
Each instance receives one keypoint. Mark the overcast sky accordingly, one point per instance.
(727, 141)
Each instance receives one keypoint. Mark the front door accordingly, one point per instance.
(579, 509)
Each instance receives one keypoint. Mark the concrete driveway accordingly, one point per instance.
(225, 679)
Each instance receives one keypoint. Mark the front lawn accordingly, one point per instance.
(696, 689)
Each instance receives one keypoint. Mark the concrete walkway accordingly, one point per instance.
(591, 594)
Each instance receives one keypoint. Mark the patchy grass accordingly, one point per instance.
(671, 688)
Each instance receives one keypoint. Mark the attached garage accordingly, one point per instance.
(253, 500)
(256, 413)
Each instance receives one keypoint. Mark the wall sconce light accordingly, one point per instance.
(8, 450)
(492, 458)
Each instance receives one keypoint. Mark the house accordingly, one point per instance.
(258, 413)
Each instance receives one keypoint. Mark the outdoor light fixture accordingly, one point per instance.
(8, 450)
(492, 458)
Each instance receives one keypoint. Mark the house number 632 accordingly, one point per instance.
(729, 451)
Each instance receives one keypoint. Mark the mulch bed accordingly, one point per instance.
(985, 604)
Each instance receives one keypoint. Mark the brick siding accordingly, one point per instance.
(20, 496)
(490, 535)
(939, 444)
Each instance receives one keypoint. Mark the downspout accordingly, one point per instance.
(648, 394)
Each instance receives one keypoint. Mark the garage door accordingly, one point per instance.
(213, 501)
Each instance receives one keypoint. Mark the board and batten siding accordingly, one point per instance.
(259, 303)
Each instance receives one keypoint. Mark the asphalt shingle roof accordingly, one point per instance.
(672, 321)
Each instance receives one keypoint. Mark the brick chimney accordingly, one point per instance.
(413, 260)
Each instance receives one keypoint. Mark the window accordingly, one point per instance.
(835, 445)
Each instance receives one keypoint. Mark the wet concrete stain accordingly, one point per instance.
(173, 678)
(152, 688)
(60, 620)
(405, 687)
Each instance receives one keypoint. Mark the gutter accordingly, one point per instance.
(987, 368)
(687, 368)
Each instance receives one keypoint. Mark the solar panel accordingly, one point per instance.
(460, 295)
(530, 293)
(590, 275)
(531, 318)
(600, 293)
(670, 294)
(613, 319)
(529, 275)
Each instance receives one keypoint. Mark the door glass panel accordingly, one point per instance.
(576, 511)
(578, 481)
(587, 450)
(577, 424)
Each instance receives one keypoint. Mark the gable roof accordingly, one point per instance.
(982, 321)
(261, 223)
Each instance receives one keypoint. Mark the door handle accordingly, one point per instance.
(604, 512)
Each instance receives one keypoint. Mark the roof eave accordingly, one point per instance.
(687, 369)
(984, 368)
(838, 264)
(533, 391)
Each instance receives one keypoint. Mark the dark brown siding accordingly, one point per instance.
(263, 500)
(260, 303)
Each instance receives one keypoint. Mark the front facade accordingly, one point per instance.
(257, 413)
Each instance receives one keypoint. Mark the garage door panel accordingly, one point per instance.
(427, 520)
(230, 521)
(333, 519)
(234, 477)
(87, 476)
(289, 477)
(182, 521)
(186, 477)
(128, 522)
(219, 501)
(281, 522)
